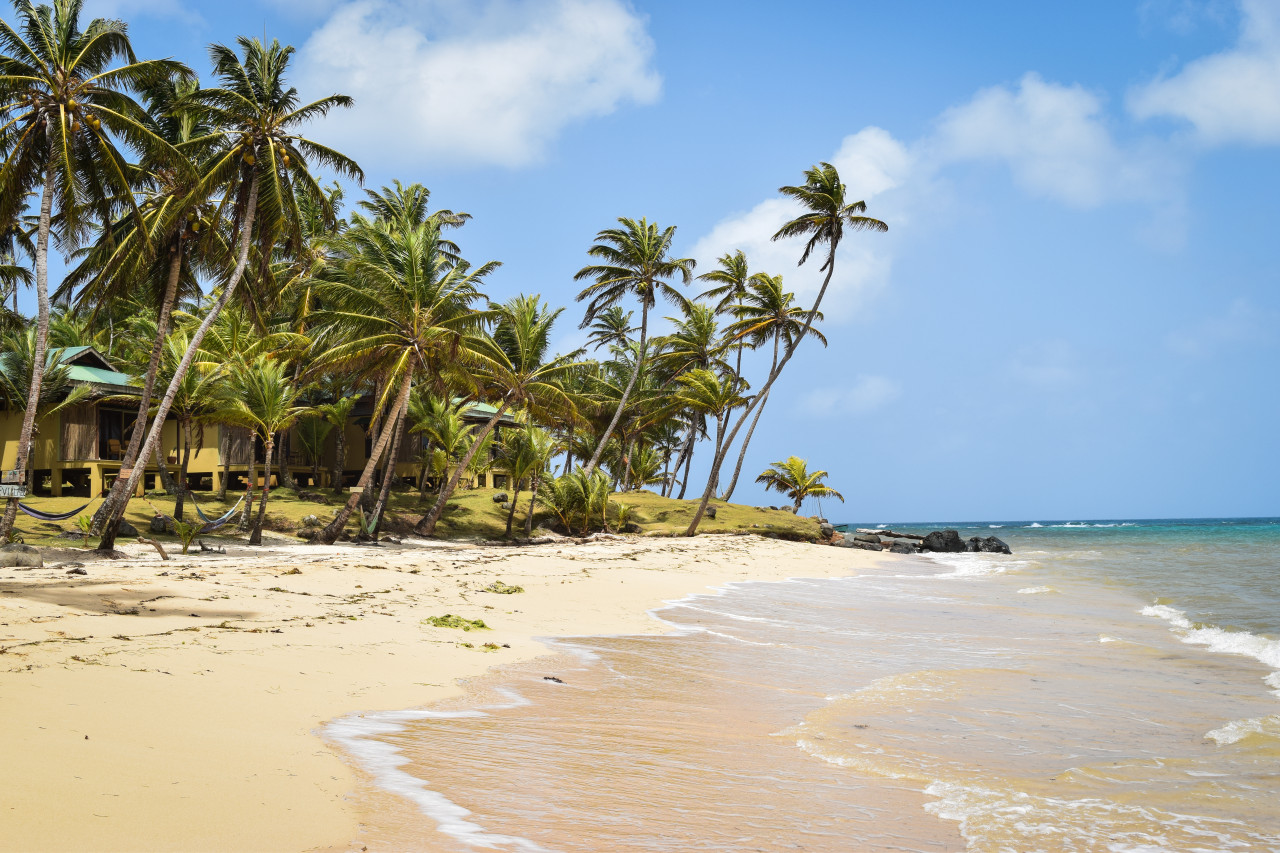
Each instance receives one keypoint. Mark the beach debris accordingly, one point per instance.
(294, 571)
(153, 543)
(901, 547)
(78, 570)
(501, 588)
(490, 647)
(450, 621)
(552, 678)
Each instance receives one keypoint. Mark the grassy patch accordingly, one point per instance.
(503, 589)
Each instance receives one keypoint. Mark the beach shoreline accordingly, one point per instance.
(180, 705)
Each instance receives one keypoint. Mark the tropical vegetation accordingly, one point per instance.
(210, 263)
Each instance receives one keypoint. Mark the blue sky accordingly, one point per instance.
(1075, 312)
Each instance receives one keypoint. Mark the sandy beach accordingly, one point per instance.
(153, 705)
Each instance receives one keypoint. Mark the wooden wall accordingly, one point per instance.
(79, 438)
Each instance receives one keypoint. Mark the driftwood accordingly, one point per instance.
(153, 543)
(889, 534)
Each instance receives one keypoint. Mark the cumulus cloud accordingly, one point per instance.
(1054, 141)
(871, 163)
(486, 82)
(1232, 96)
(867, 393)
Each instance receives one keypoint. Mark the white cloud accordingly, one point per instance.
(867, 394)
(490, 82)
(871, 162)
(1241, 324)
(1232, 96)
(1054, 141)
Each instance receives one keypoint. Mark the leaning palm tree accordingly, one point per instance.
(635, 259)
(400, 310)
(263, 398)
(826, 215)
(611, 328)
(732, 282)
(64, 107)
(260, 168)
(767, 313)
(336, 414)
(793, 478)
(514, 366)
(524, 453)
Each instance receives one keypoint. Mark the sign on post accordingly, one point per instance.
(8, 490)
(13, 477)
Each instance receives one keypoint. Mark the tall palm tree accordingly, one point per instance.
(826, 215)
(611, 328)
(514, 367)
(709, 393)
(523, 453)
(635, 259)
(732, 282)
(767, 313)
(63, 107)
(793, 478)
(264, 398)
(259, 170)
(337, 413)
(398, 308)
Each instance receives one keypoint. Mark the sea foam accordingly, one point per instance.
(1262, 649)
(1237, 730)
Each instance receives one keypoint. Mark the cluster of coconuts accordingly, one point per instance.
(194, 221)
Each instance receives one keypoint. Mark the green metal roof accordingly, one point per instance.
(98, 376)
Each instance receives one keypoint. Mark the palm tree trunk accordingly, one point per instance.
(626, 464)
(686, 456)
(255, 538)
(166, 479)
(533, 500)
(626, 395)
(250, 480)
(42, 342)
(389, 474)
(117, 493)
(107, 542)
(511, 513)
(764, 392)
(742, 454)
(182, 471)
(334, 528)
(427, 526)
(286, 476)
(568, 452)
(338, 474)
(224, 449)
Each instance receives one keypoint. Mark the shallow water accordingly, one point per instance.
(1106, 688)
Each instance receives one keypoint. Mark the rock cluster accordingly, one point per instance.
(937, 541)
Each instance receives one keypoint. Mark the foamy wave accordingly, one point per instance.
(1014, 820)
(357, 734)
(737, 639)
(1238, 730)
(1220, 640)
(1035, 524)
(995, 526)
(1103, 638)
(969, 565)
(1035, 590)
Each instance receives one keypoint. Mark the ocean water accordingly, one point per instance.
(1111, 686)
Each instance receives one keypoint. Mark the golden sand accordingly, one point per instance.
(175, 705)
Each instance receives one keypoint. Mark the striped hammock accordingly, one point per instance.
(51, 516)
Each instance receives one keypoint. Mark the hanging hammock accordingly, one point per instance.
(213, 524)
(51, 516)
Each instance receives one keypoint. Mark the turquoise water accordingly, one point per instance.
(1113, 685)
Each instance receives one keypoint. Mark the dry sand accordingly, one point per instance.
(175, 706)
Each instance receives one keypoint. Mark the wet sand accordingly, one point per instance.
(176, 706)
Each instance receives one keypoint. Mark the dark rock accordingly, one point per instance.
(903, 548)
(632, 527)
(313, 497)
(552, 678)
(869, 546)
(501, 498)
(826, 530)
(974, 544)
(310, 534)
(15, 555)
(71, 534)
(711, 511)
(946, 541)
(126, 529)
(506, 506)
(992, 545)
(869, 538)
(160, 524)
(77, 571)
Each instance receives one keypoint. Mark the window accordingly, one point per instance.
(110, 434)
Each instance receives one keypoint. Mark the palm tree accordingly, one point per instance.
(513, 365)
(313, 431)
(733, 281)
(64, 107)
(767, 313)
(524, 454)
(611, 328)
(706, 392)
(337, 414)
(825, 218)
(263, 398)
(634, 260)
(792, 478)
(401, 309)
